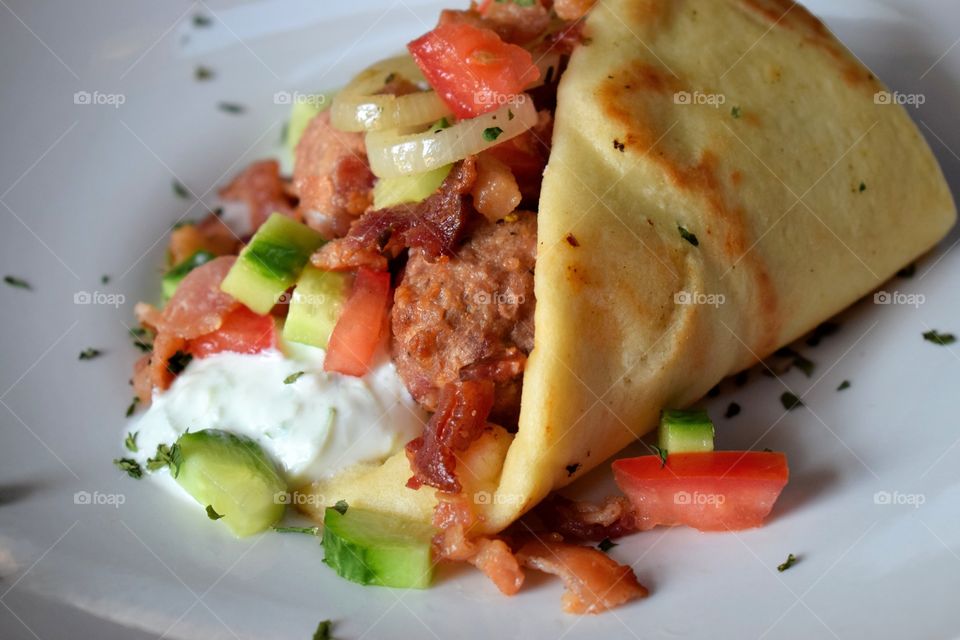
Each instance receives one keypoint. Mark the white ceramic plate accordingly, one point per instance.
(871, 510)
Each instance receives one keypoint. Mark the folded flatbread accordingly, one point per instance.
(724, 176)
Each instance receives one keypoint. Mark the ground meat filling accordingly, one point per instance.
(469, 316)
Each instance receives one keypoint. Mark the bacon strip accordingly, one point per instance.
(460, 418)
(584, 521)
(594, 581)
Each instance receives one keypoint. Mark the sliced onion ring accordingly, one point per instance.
(393, 154)
(359, 108)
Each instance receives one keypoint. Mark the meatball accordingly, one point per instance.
(469, 316)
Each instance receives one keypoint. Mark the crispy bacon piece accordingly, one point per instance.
(346, 254)
(453, 516)
(460, 418)
(595, 582)
(332, 177)
(262, 189)
(198, 306)
(584, 521)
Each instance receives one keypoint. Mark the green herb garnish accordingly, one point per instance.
(308, 530)
(942, 339)
(180, 191)
(733, 409)
(492, 133)
(293, 377)
(790, 401)
(689, 237)
(606, 544)
(104, 279)
(736, 112)
(131, 441)
(133, 406)
(822, 331)
(844, 385)
(341, 507)
(130, 466)
(789, 562)
(178, 362)
(166, 456)
(662, 453)
(863, 187)
(90, 353)
(200, 20)
(323, 631)
(19, 283)
(231, 107)
(212, 513)
(201, 73)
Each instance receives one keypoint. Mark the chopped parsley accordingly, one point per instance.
(131, 441)
(19, 283)
(790, 401)
(308, 530)
(200, 20)
(492, 133)
(619, 146)
(130, 466)
(90, 353)
(231, 108)
(441, 124)
(908, 271)
(689, 237)
(798, 360)
(133, 406)
(178, 362)
(786, 564)
(166, 456)
(736, 112)
(180, 191)
(212, 513)
(138, 334)
(606, 544)
(862, 187)
(572, 468)
(341, 507)
(201, 73)
(662, 453)
(844, 385)
(942, 339)
(741, 378)
(104, 279)
(323, 631)
(510, 115)
(822, 331)
(733, 410)
(293, 377)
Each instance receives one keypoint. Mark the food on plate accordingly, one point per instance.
(511, 251)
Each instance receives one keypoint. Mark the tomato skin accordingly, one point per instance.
(357, 333)
(472, 69)
(242, 331)
(714, 491)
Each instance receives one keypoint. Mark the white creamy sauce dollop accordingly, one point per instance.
(313, 427)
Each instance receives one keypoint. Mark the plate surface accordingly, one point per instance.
(102, 114)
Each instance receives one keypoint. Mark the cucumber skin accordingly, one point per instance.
(213, 461)
(271, 262)
(686, 432)
(378, 557)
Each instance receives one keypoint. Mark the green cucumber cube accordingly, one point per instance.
(685, 431)
(315, 306)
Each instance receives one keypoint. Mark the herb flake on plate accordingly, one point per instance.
(202, 73)
(307, 530)
(606, 544)
(786, 564)
(733, 410)
(844, 385)
(293, 377)
(130, 466)
(232, 108)
(689, 237)
(324, 631)
(133, 406)
(212, 513)
(18, 283)
(942, 339)
(130, 442)
(166, 456)
(790, 401)
(90, 353)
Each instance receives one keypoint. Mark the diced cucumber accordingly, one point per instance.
(371, 547)
(234, 476)
(302, 112)
(685, 431)
(271, 263)
(389, 192)
(172, 278)
(315, 307)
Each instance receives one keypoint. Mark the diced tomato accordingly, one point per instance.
(472, 69)
(357, 333)
(715, 491)
(242, 331)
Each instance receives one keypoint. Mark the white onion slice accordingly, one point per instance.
(358, 108)
(393, 154)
